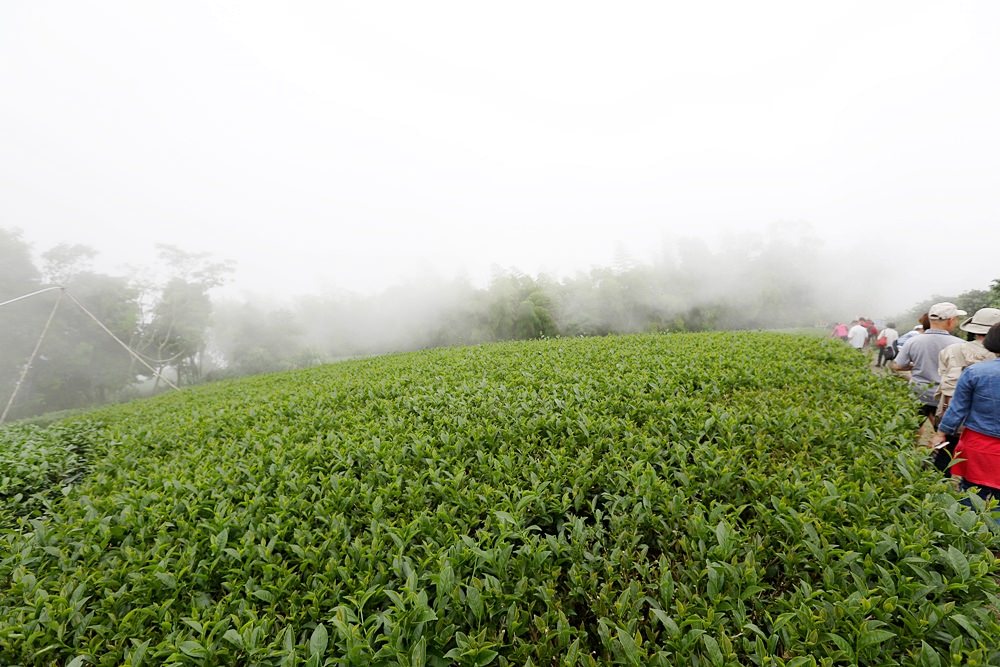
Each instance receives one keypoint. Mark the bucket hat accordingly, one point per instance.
(981, 321)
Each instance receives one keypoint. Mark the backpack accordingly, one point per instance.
(889, 352)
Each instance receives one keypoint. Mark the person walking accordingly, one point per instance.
(976, 407)
(920, 355)
(886, 338)
(956, 358)
(915, 331)
(952, 361)
(858, 335)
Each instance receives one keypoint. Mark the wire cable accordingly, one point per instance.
(47, 289)
(34, 353)
(156, 373)
(65, 292)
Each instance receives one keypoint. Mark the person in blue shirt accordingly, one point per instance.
(976, 407)
(901, 341)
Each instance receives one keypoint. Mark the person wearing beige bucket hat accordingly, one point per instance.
(954, 359)
(981, 322)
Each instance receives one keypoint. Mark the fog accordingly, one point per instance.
(780, 279)
(371, 170)
(100, 337)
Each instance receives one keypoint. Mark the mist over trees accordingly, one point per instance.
(81, 333)
(176, 331)
(73, 367)
(969, 301)
(178, 327)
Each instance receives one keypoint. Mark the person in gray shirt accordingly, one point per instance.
(920, 354)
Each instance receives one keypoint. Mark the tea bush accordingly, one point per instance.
(709, 499)
(36, 462)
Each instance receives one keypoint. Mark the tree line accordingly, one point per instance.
(79, 364)
(174, 322)
(969, 301)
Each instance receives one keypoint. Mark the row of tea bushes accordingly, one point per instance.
(710, 499)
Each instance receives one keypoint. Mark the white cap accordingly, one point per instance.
(945, 311)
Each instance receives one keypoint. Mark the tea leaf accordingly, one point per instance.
(318, 641)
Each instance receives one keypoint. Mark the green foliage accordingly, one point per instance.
(712, 499)
(969, 301)
(994, 299)
(80, 364)
(18, 274)
(176, 334)
(518, 309)
(39, 465)
(179, 327)
(21, 322)
(253, 340)
(65, 261)
(973, 300)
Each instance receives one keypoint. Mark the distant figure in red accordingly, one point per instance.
(839, 331)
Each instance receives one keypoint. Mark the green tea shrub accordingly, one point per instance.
(708, 499)
(36, 463)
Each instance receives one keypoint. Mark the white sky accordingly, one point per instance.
(355, 145)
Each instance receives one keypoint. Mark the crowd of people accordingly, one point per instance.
(956, 382)
(862, 334)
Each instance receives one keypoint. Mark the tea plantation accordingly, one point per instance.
(707, 500)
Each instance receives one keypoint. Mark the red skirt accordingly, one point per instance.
(979, 459)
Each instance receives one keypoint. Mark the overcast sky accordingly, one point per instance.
(355, 145)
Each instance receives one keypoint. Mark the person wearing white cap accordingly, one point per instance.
(920, 354)
(953, 360)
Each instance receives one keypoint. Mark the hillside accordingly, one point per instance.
(703, 499)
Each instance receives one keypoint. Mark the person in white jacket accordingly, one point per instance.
(857, 336)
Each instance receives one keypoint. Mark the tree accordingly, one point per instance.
(969, 301)
(81, 364)
(18, 274)
(177, 335)
(518, 308)
(994, 300)
(177, 332)
(22, 322)
(252, 340)
(78, 363)
(64, 261)
(973, 300)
